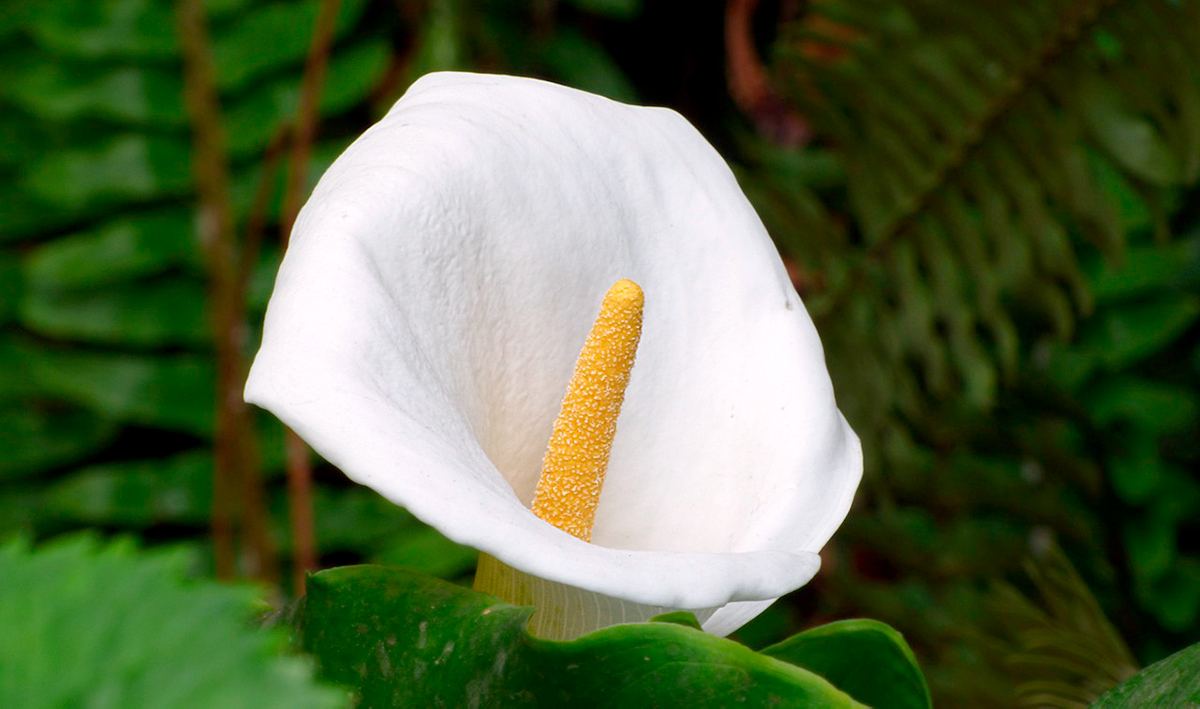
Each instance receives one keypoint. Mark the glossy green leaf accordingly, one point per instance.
(401, 639)
(864, 658)
(685, 618)
(131, 246)
(36, 436)
(1173, 682)
(175, 490)
(127, 167)
(91, 625)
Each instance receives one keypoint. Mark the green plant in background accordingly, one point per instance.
(1062, 648)
(1133, 376)
(103, 624)
(106, 372)
(995, 193)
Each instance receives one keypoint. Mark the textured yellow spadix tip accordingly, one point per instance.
(577, 456)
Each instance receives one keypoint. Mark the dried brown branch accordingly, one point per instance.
(235, 467)
(749, 85)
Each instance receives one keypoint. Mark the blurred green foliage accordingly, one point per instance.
(106, 400)
(996, 229)
(104, 624)
(1003, 273)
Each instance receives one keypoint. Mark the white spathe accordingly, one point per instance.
(436, 292)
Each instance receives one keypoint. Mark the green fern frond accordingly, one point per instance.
(980, 141)
(1063, 651)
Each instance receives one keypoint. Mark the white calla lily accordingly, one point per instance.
(436, 292)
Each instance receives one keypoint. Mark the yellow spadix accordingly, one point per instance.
(577, 455)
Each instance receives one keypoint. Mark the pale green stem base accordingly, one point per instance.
(564, 612)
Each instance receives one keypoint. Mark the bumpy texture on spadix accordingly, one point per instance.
(577, 455)
(427, 317)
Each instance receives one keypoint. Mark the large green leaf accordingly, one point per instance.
(401, 639)
(87, 625)
(1173, 682)
(864, 658)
